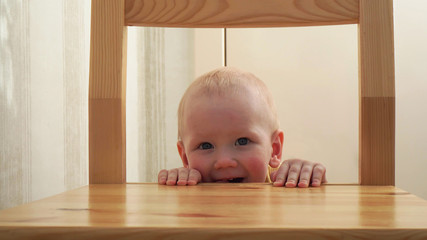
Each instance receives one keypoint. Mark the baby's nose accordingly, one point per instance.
(225, 161)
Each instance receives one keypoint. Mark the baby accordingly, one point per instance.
(228, 131)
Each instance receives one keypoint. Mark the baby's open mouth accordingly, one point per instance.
(231, 180)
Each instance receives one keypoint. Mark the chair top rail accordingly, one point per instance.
(240, 13)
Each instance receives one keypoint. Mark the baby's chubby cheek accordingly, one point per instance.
(203, 168)
(257, 169)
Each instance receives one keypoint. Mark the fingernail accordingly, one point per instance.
(170, 183)
(182, 182)
(303, 183)
(278, 183)
(315, 183)
(290, 183)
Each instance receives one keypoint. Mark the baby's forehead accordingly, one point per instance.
(237, 95)
(246, 88)
(225, 115)
(242, 105)
(231, 89)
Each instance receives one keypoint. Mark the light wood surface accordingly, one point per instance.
(240, 13)
(214, 211)
(377, 93)
(107, 93)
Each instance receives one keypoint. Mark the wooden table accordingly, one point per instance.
(215, 211)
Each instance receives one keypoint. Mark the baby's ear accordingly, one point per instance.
(182, 154)
(277, 147)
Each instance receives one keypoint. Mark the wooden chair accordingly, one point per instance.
(107, 90)
(109, 209)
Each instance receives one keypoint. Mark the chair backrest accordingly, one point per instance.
(107, 81)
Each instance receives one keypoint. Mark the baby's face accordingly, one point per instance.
(227, 138)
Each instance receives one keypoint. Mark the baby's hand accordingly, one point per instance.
(179, 176)
(299, 172)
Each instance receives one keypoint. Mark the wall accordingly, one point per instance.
(411, 99)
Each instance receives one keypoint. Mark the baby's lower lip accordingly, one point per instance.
(222, 181)
(227, 180)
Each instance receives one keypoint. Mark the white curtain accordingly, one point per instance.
(43, 116)
(15, 103)
(160, 67)
(44, 98)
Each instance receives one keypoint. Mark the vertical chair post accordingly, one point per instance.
(376, 93)
(107, 93)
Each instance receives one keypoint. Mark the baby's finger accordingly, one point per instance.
(293, 175)
(273, 176)
(319, 177)
(194, 177)
(163, 175)
(172, 176)
(305, 175)
(281, 175)
(182, 176)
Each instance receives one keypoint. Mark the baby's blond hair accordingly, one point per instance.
(228, 80)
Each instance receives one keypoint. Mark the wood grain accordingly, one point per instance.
(240, 13)
(107, 93)
(377, 141)
(107, 144)
(215, 211)
(376, 49)
(107, 50)
(377, 93)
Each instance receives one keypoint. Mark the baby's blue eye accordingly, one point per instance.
(242, 141)
(205, 146)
